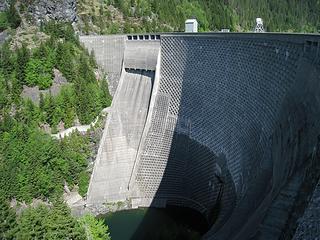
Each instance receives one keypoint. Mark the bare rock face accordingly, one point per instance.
(3, 5)
(3, 36)
(33, 93)
(60, 10)
(58, 82)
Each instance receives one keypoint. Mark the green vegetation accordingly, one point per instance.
(95, 228)
(9, 18)
(8, 220)
(45, 223)
(33, 165)
(161, 16)
(83, 98)
(49, 222)
(38, 73)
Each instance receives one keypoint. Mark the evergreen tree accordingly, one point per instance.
(61, 225)
(33, 164)
(64, 61)
(7, 61)
(92, 60)
(49, 109)
(85, 71)
(38, 72)
(16, 87)
(23, 56)
(8, 225)
(3, 94)
(105, 95)
(44, 223)
(95, 228)
(4, 23)
(41, 102)
(13, 15)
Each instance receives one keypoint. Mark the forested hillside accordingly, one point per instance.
(83, 98)
(49, 222)
(114, 16)
(33, 165)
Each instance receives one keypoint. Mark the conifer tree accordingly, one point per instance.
(13, 15)
(3, 93)
(95, 228)
(8, 225)
(6, 60)
(23, 56)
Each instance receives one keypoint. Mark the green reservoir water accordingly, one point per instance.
(156, 224)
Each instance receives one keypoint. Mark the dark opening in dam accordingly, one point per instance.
(175, 221)
(170, 223)
(180, 217)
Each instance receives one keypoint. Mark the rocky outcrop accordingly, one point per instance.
(3, 36)
(60, 10)
(3, 5)
(33, 93)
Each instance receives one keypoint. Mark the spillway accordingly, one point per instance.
(121, 140)
(225, 124)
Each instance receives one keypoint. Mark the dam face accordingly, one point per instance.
(225, 124)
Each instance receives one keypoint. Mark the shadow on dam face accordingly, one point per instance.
(186, 218)
(182, 217)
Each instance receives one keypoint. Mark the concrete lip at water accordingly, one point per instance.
(225, 124)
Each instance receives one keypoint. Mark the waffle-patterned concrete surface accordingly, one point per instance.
(228, 120)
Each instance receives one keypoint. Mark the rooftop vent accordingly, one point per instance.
(191, 25)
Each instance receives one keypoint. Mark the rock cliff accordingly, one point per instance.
(3, 5)
(61, 10)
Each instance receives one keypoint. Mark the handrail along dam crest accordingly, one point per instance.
(222, 123)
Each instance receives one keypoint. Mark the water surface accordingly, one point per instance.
(155, 224)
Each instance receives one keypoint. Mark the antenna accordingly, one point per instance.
(259, 27)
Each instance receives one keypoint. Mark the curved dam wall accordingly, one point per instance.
(220, 123)
(232, 118)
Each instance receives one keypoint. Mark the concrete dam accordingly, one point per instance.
(227, 124)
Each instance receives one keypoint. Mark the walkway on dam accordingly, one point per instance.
(120, 141)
